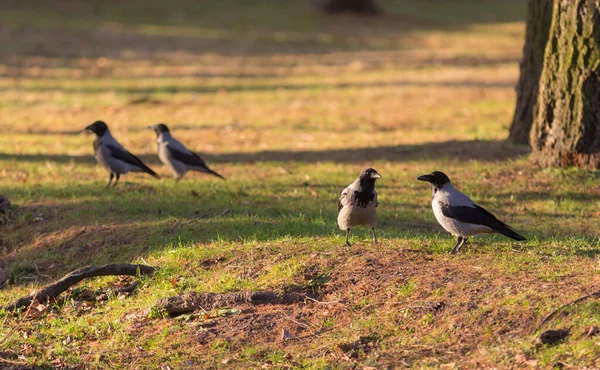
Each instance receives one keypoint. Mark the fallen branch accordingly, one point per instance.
(55, 289)
(192, 301)
(553, 313)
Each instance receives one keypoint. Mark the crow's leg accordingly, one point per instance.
(115, 184)
(110, 179)
(347, 236)
(465, 239)
(374, 235)
(459, 243)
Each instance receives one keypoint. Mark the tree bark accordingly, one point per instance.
(566, 127)
(351, 6)
(539, 18)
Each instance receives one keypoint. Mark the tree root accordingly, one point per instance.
(192, 301)
(55, 289)
(578, 300)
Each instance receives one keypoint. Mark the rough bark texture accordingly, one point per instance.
(55, 289)
(539, 19)
(566, 127)
(190, 302)
(351, 6)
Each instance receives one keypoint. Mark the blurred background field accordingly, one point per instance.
(290, 105)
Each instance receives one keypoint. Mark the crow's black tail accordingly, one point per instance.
(508, 231)
(205, 169)
(149, 171)
(214, 173)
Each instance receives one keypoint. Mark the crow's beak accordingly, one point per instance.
(151, 127)
(87, 129)
(375, 176)
(427, 178)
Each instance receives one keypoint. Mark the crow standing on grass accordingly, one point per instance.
(358, 202)
(176, 156)
(459, 215)
(112, 156)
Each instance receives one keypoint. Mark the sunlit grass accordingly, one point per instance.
(289, 105)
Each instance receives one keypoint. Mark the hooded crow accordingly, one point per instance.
(112, 156)
(358, 202)
(459, 215)
(176, 156)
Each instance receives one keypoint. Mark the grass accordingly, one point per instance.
(290, 106)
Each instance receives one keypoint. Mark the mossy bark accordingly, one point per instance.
(566, 126)
(539, 19)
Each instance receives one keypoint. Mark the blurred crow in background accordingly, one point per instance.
(112, 156)
(176, 156)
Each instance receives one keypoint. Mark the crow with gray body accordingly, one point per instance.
(458, 214)
(112, 156)
(176, 156)
(358, 203)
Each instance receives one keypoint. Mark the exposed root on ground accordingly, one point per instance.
(192, 301)
(595, 294)
(55, 289)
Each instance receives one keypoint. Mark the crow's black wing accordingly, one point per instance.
(479, 216)
(127, 157)
(191, 159)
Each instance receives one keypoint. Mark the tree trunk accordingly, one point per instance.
(351, 6)
(539, 18)
(566, 127)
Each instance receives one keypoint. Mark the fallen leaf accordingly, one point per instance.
(33, 312)
(520, 358)
(28, 349)
(531, 363)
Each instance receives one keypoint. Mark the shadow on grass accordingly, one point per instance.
(175, 89)
(143, 29)
(395, 59)
(481, 150)
(556, 196)
(85, 224)
(123, 225)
